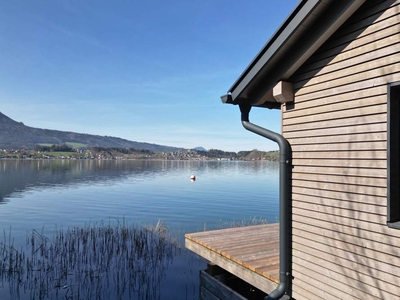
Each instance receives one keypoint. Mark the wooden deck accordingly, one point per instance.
(250, 253)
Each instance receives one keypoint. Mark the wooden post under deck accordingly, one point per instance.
(250, 253)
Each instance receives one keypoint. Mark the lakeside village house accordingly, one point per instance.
(333, 69)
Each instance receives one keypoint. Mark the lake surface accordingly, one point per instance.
(43, 195)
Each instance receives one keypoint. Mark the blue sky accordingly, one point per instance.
(147, 71)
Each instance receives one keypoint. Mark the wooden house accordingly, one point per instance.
(333, 69)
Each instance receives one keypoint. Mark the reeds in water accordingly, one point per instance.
(247, 222)
(100, 261)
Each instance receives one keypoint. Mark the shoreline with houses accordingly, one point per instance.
(99, 153)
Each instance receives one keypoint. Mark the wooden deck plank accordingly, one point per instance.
(231, 232)
(250, 253)
(237, 243)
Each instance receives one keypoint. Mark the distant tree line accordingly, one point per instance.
(54, 148)
(215, 153)
(121, 150)
(66, 148)
(243, 153)
(211, 154)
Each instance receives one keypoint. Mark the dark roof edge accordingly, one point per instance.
(276, 35)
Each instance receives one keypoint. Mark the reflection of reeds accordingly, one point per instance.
(101, 261)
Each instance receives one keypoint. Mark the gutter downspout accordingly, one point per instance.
(285, 166)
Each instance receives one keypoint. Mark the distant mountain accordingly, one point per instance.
(15, 135)
(200, 149)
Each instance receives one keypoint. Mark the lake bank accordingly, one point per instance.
(122, 154)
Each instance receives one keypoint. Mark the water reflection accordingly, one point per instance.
(17, 176)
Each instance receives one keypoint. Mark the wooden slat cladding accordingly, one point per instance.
(375, 50)
(337, 127)
(350, 86)
(350, 146)
(338, 106)
(371, 249)
(340, 170)
(370, 154)
(339, 130)
(355, 180)
(306, 194)
(325, 125)
(378, 21)
(344, 164)
(333, 211)
(383, 236)
(352, 95)
(361, 282)
(302, 292)
(380, 45)
(351, 112)
(347, 257)
(344, 77)
(343, 184)
(335, 205)
(342, 136)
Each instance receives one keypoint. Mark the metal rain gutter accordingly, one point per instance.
(285, 167)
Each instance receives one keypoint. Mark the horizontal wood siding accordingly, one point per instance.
(342, 248)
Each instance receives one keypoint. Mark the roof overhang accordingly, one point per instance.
(309, 25)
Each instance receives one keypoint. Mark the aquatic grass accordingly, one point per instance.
(96, 261)
(243, 223)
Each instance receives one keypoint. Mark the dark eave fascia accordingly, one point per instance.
(274, 43)
(309, 25)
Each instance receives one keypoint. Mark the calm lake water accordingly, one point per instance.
(43, 195)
